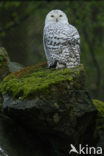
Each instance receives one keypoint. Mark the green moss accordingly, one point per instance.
(99, 106)
(37, 81)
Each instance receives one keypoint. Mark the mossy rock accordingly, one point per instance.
(6, 66)
(99, 106)
(3, 55)
(51, 102)
(4, 70)
(35, 80)
(100, 119)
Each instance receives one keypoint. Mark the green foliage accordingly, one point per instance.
(8, 5)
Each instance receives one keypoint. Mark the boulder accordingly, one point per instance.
(51, 103)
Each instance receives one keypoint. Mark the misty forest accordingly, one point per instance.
(50, 108)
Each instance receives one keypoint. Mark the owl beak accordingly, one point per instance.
(56, 19)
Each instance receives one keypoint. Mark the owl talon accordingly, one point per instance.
(60, 66)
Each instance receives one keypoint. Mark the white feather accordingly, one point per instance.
(61, 41)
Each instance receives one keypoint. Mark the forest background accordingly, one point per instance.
(21, 33)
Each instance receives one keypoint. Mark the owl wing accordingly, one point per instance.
(47, 52)
(74, 41)
(73, 35)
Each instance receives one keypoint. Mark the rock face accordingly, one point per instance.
(16, 141)
(51, 103)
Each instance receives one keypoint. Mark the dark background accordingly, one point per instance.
(21, 33)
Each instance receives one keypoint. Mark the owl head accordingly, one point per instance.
(55, 16)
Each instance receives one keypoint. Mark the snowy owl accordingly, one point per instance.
(61, 41)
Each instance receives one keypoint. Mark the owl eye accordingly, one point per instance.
(60, 15)
(52, 15)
